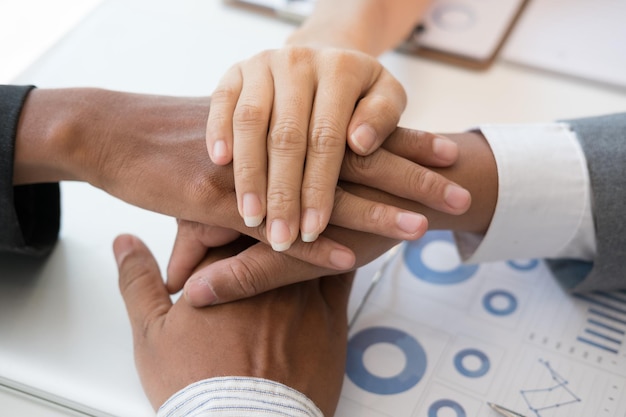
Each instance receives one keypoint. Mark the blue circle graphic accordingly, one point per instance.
(497, 311)
(453, 405)
(481, 371)
(412, 373)
(523, 265)
(413, 258)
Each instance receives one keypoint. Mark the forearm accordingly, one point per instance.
(115, 141)
(370, 26)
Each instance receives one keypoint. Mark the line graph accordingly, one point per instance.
(557, 395)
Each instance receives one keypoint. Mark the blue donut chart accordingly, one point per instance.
(438, 405)
(484, 363)
(523, 266)
(413, 371)
(413, 259)
(488, 303)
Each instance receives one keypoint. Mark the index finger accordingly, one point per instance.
(253, 271)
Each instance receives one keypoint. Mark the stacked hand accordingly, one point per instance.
(295, 335)
(283, 118)
(392, 168)
(150, 151)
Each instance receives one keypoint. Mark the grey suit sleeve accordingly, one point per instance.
(29, 214)
(603, 140)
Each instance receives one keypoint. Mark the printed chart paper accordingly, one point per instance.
(438, 338)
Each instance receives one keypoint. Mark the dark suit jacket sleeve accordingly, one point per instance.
(603, 140)
(29, 214)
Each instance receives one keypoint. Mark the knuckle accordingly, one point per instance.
(386, 109)
(247, 170)
(423, 180)
(352, 68)
(217, 120)
(201, 190)
(247, 281)
(280, 198)
(224, 94)
(134, 271)
(288, 134)
(326, 136)
(151, 319)
(295, 56)
(360, 165)
(248, 113)
(376, 213)
(317, 188)
(393, 86)
(343, 62)
(401, 93)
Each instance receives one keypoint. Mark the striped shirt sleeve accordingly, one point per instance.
(238, 396)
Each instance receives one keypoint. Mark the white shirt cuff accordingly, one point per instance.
(240, 397)
(544, 197)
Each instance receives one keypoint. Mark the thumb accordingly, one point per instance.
(140, 282)
(376, 115)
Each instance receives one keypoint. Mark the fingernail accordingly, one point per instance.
(341, 259)
(219, 151)
(364, 138)
(410, 223)
(198, 292)
(251, 207)
(445, 149)
(456, 197)
(310, 225)
(280, 236)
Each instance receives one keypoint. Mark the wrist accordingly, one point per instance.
(47, 140)
(314, 35)
(372, 27)
(327, 28)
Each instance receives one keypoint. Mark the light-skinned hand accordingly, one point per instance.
(284, 117)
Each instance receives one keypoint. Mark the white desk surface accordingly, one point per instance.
(187, 57)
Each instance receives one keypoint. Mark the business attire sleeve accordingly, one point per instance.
(561, 195)
(29, 214)
(238, 397)
(543, 196)
(603, 140)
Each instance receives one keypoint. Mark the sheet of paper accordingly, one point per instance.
(581, 38)
(438, 338)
